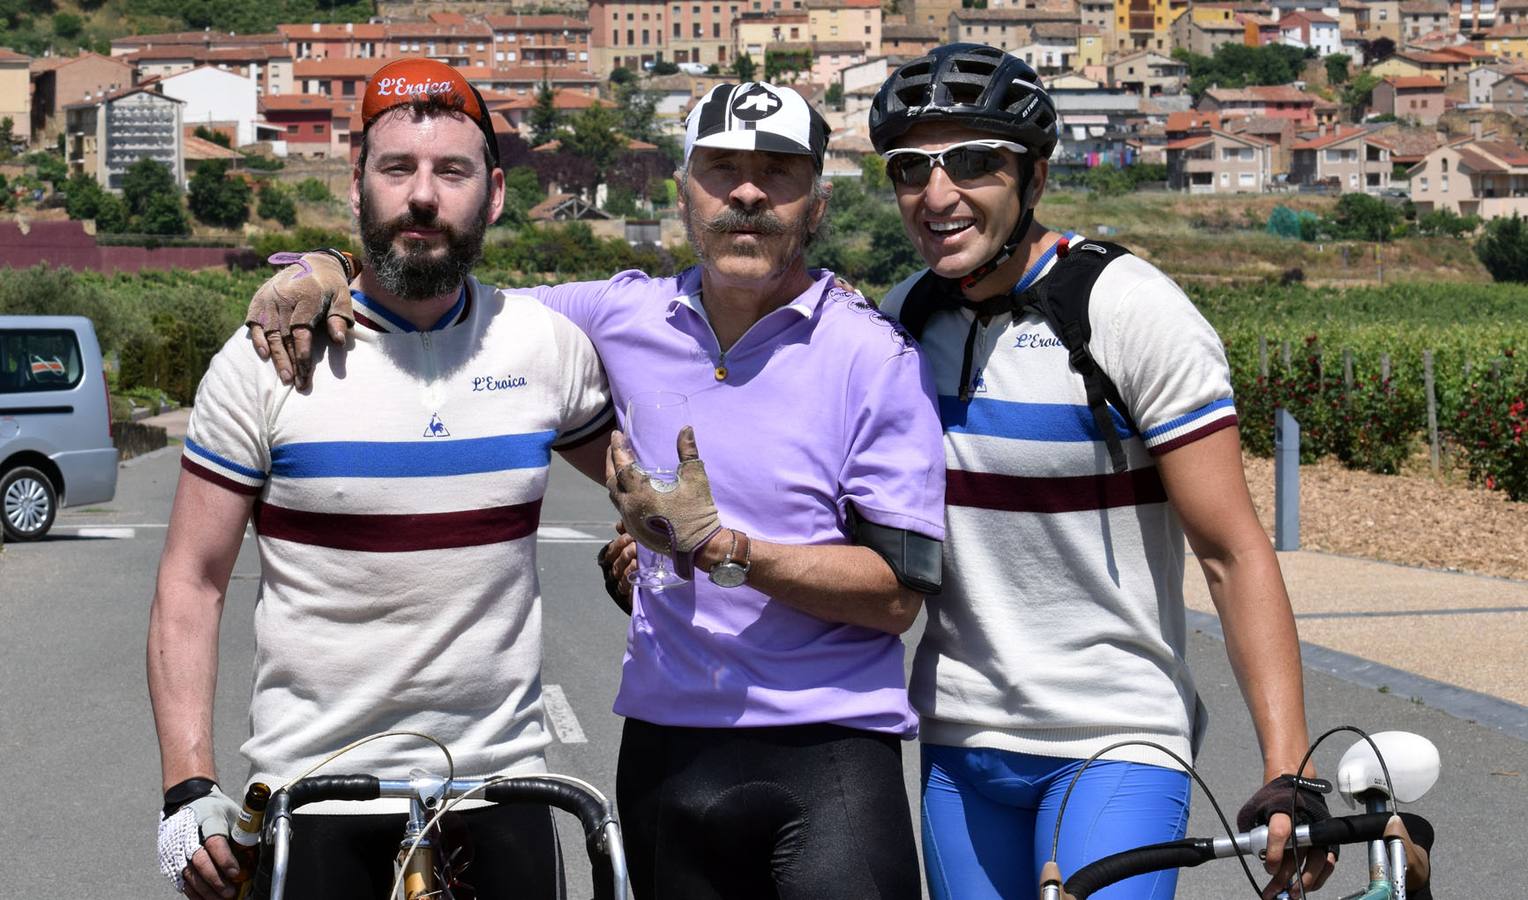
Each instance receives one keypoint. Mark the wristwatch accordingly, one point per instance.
(729, 573)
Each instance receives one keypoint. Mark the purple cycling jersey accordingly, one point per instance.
(823, 403)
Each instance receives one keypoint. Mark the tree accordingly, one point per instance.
(593, 137)
(744, 67)
(545, 119)
(873, 174)
(835, 95)
(277, 204)
(1357, 94)
(1446, 223)
(7, 137)
(1365, 218)
(163, 214)
(1377, 50)
(1108, 180)
(1337, 68)
(143, 181)
(217, 198)
(522, 191)
(1503, 248)
(639, 110)
(664, 67)
(67, 25)
(50, 168)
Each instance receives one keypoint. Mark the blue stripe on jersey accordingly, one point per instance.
(412, 459)
(1059, 422)
(228, 464)
(376, 310)
(1186, 418)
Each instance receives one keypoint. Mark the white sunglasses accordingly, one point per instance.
(964, 161)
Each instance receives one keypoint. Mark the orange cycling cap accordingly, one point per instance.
(398, 82)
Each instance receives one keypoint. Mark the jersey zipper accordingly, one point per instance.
(721, 355)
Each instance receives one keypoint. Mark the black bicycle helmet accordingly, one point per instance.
(974, 85)
(979, 87)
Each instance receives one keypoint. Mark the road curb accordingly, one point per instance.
(1493, 712)
(129, 463)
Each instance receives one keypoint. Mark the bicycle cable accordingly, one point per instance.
(450, 763)
(1299, 877)
(1209, 795)
(403, 862)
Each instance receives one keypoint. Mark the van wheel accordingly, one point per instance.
(28, 503)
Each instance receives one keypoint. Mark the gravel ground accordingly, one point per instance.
(1413, 519)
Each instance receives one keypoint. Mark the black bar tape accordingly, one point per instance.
(1097, 875)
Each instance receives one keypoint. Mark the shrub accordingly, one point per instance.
(276, 203)
(216, 197)
(300, 239)
(1491, 428)
(313, 190)
(1503, 249)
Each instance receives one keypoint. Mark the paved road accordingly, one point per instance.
(80, 766)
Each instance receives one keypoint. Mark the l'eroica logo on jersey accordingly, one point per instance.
(1034, 340)
(495, 383)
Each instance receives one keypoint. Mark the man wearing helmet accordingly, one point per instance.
(1088, 428)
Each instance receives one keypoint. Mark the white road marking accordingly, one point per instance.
(556, 534)
(114, 533)
(110, 525)
(560, 713)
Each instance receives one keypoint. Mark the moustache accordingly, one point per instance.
(415, 220)
(761, 221)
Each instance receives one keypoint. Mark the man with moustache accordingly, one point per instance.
(765, 699)
(396, 506)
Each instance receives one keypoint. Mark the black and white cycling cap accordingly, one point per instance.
(756, 116)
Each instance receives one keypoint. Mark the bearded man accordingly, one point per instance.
(764, 698)
(396, 506)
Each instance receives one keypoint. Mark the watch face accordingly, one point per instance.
(728, 575)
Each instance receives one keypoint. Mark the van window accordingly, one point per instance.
(38, 361)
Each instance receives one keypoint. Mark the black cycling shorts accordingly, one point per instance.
(514, 855)
(807, 812)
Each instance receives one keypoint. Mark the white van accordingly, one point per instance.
(55, 422)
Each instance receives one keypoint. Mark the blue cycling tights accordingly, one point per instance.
(989, 815)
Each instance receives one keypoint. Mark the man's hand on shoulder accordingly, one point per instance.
(313, 289)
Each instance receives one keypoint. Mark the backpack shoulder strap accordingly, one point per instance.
(1062, 297)
(922, 300)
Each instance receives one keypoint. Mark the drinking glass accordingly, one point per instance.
(653, 422)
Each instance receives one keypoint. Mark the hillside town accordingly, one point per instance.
(1386, 97)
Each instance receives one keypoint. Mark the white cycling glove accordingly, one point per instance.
(182, 833)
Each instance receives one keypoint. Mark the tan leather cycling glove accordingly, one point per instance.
(675, 521)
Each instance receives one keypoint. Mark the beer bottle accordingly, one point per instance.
(246, 836)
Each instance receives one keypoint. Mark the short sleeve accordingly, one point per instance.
(584, 303)
(587, 411)
(227, 439)
(1166, 359)
(894, 470)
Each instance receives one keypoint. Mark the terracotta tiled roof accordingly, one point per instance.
(1183, 121)
(1478, 162)
(335, 67)
(562, 98)
(360, 31)
(1506, 151)
(7, 55)
(1336, 136)
(201, 148)
(476, 30)
(1190, 143)
(536, 23)
(296, 103)
(1415, 83)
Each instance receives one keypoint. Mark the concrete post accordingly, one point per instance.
(1286, 481)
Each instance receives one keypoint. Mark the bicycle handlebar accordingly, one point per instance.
(602, 837)
(1190, 852)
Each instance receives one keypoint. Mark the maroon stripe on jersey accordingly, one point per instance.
(1011, 493)
(401, 533)
(219, 480)
(361, 319)
(1192, 436)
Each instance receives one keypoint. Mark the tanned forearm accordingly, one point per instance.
(206, 529)
(1206, 485)
(836, 583)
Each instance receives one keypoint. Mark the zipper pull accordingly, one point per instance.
(721, 367)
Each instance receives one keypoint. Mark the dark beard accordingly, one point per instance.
(411, 273)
